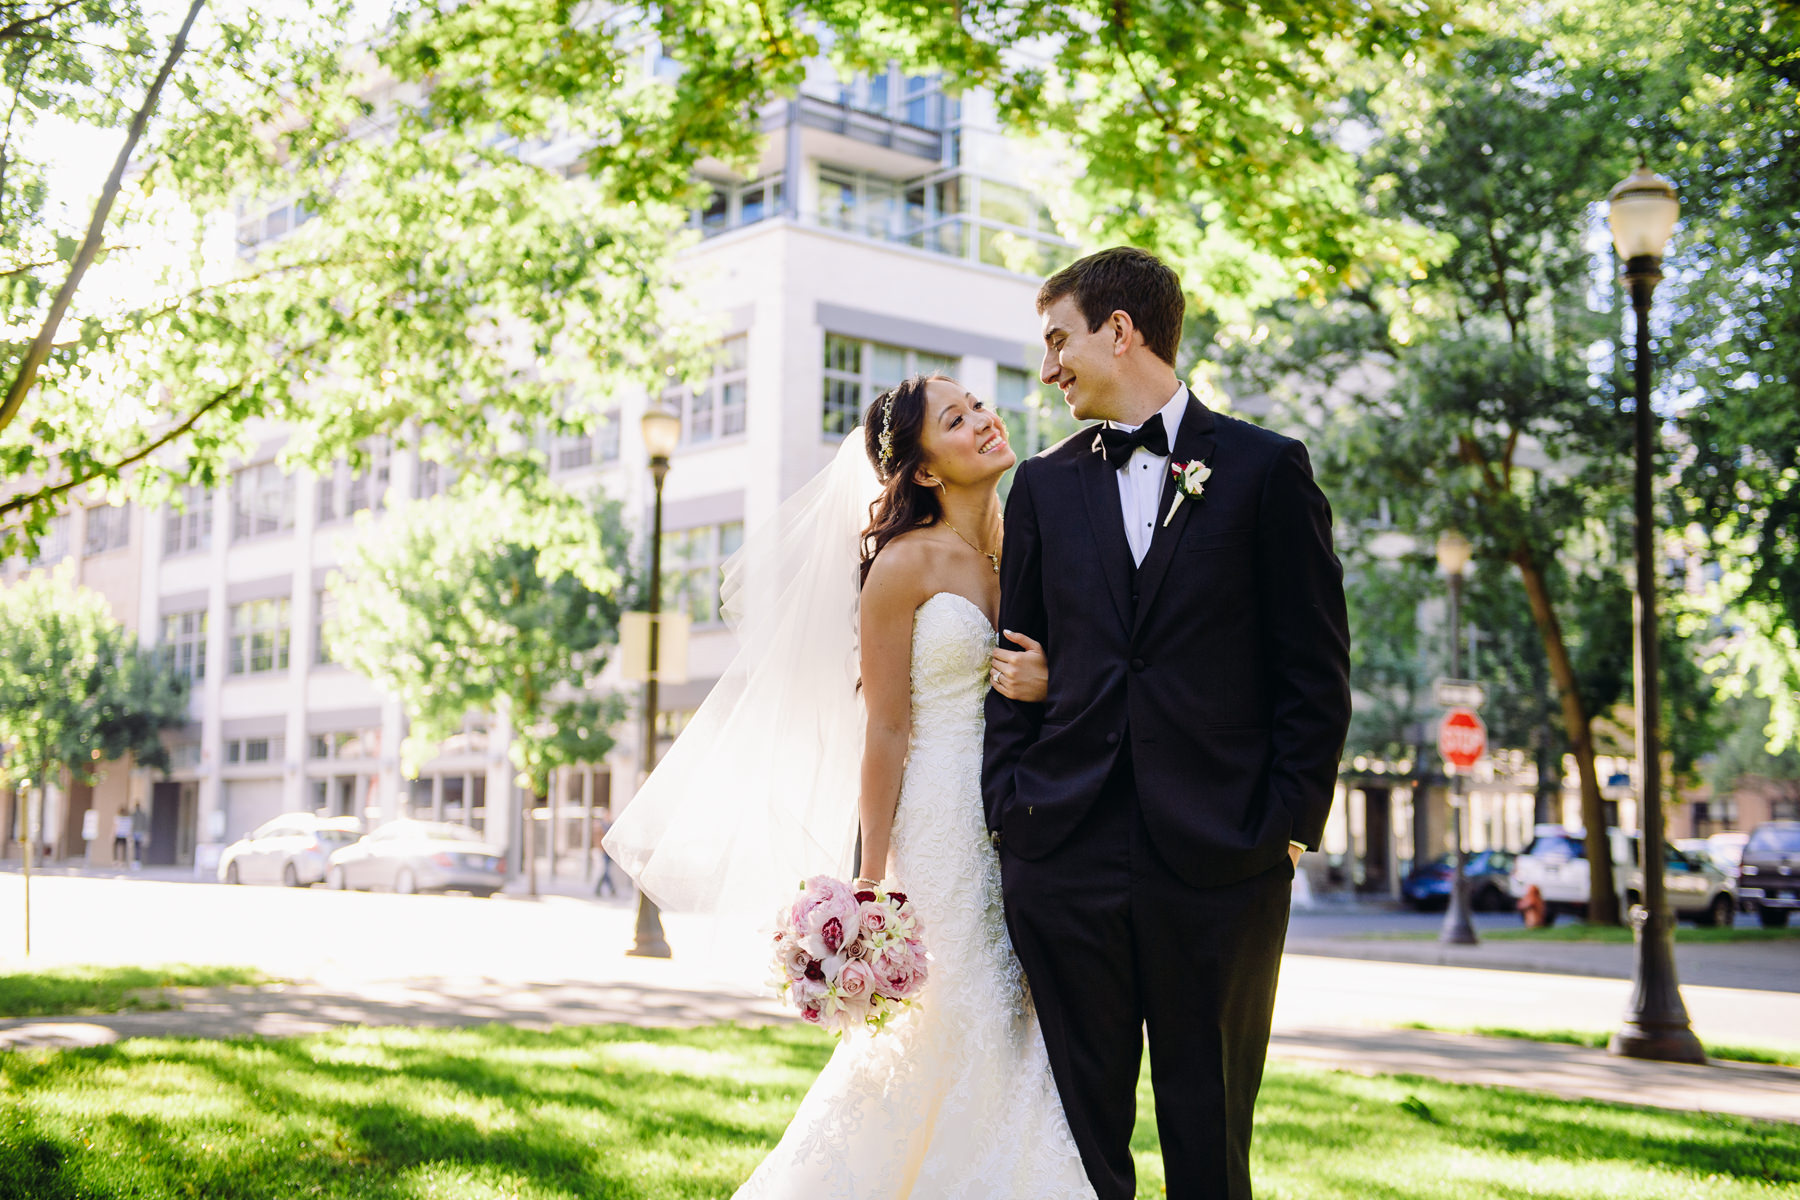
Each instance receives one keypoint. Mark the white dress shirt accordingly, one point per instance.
(1141, 484)
(1141, 479)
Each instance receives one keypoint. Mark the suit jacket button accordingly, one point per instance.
(1112, 739)
(1137, 664)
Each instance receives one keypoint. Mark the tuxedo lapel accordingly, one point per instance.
(1194, 442)
(1100, 488)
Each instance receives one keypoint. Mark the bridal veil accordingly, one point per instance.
(760, 790)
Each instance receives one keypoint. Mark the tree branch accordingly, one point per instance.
(25, 500)
(39, 349)
(14, 29)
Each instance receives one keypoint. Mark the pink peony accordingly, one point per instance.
(819, 890)
(829, 924)
(898, 971)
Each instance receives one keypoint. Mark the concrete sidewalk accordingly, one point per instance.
(659, 993)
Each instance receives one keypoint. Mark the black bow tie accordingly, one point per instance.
(1117, 444)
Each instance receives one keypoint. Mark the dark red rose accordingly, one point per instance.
(814, 970)
(897, 897)
(832, 934)
(865, 897)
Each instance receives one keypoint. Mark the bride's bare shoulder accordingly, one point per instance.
(906, 565)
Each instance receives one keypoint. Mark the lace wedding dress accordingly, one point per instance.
(954, 1099)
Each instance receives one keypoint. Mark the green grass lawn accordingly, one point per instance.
(1769, 1055)
(497, 1113)
(67, 991)
(1574, 931)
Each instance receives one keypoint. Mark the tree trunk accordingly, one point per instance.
(1603, 896)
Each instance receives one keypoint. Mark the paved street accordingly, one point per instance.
(1412, 937)
(433, 960)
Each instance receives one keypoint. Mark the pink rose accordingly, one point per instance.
(856, 980)
(793, 959)
(875, 918)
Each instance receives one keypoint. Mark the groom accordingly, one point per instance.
(1150, 812)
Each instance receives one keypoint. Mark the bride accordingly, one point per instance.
(879, 582)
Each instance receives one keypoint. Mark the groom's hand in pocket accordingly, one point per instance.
(1022, 675)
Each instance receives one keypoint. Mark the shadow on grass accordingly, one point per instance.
(67, 991)
(622, 1112)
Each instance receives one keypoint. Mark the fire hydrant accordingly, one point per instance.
(1531, 907)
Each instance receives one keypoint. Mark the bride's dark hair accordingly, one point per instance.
(891, 435)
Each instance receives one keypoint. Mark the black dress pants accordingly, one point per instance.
(1113, 943)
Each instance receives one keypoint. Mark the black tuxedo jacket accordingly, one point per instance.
(1220, 665)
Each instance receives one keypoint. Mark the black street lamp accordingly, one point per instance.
(1641, 210)
(1453, 552)
(662, 430)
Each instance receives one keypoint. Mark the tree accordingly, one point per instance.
(449, 288)
(489, 603)
(76, 690)
(1706, 93)
(1468, 400)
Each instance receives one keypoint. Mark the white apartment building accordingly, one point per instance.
(887, 229)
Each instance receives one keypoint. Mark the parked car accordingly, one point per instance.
(419, 856)
(1724, 850)
(1490, 871)
(293, 849)
(1556, 863)
(1769, 877)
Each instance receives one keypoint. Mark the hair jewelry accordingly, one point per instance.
(887, 433)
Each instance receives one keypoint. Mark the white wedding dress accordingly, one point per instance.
(954, 1099)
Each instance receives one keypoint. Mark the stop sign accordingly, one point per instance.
(1462, 738)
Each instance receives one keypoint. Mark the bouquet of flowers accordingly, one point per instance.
(846, 957)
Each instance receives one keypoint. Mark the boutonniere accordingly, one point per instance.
(1190, 480)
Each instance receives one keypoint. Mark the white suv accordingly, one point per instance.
(1556, 862)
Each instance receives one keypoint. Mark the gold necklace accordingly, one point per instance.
(993, 559)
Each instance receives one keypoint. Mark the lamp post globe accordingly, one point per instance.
(1642, 210)
(661, 429)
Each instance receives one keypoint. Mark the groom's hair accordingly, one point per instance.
(1123, 279)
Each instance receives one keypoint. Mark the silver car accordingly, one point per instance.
(1556, 864)
(292, 849)
(419, 856)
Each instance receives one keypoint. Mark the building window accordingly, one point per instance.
(54, 545)
(187, 525)
(1035, 415)
(324, 609)
(262, 223)
(861, 203)
(345, 744)
(345, 492)
(184, 643)
(734, 205)
(433, 479)
(691, 561)
(262, 502)
(856, 372)
(108, 528)
(254, 750)
(573, 452)
(608, 436)
(715, 408)
(259, 636)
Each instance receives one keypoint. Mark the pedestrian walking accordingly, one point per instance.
(121, 838)
(606, 885)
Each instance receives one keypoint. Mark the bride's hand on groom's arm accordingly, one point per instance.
(1021, 674)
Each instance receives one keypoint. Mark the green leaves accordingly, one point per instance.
(489, 601)
(76, 689)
